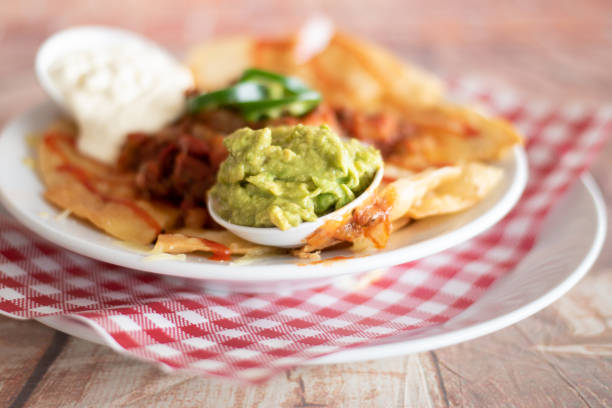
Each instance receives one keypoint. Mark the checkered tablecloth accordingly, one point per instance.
(251, 337)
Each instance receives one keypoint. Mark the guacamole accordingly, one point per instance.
(283, 176)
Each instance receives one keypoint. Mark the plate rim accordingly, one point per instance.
(233, 273)
(476, 330)
(426, 343)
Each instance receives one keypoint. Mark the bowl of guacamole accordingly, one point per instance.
(282, 177)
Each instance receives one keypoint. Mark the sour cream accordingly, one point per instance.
(119, 89)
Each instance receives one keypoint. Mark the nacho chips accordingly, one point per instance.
(440, 166)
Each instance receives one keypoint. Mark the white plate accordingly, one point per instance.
(21, 193)
(571, 240)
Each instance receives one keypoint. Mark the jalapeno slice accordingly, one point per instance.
(260, 94)
(241, 92)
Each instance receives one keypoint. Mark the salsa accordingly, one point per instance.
(283, 176)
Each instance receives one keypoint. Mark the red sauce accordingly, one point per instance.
(388, 179)
(85, 179)
(470, 132)
(145, 216)
(219, 251)
(80, 175)
(50, 141)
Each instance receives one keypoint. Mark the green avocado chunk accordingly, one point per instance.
(286, 175)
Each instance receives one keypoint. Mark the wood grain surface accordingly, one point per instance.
(560, 357)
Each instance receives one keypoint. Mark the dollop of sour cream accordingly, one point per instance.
(119, 89)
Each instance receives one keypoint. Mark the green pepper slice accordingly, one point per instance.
(296, 105)
(289, 84)
(241, 92)
(260, 94)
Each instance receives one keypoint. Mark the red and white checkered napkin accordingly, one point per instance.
(251, 337)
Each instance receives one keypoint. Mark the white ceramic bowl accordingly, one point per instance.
(296, 236)
(68, 41)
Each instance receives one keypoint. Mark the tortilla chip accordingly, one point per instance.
(441, 191)
(404, 84)
(449, 135)
(364, 243)
(231, 57)
(406, 193)
(98, 194)
(474, 182)
(185, 241)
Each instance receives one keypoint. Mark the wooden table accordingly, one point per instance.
(561, 357)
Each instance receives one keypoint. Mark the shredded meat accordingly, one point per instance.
(175, 165)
